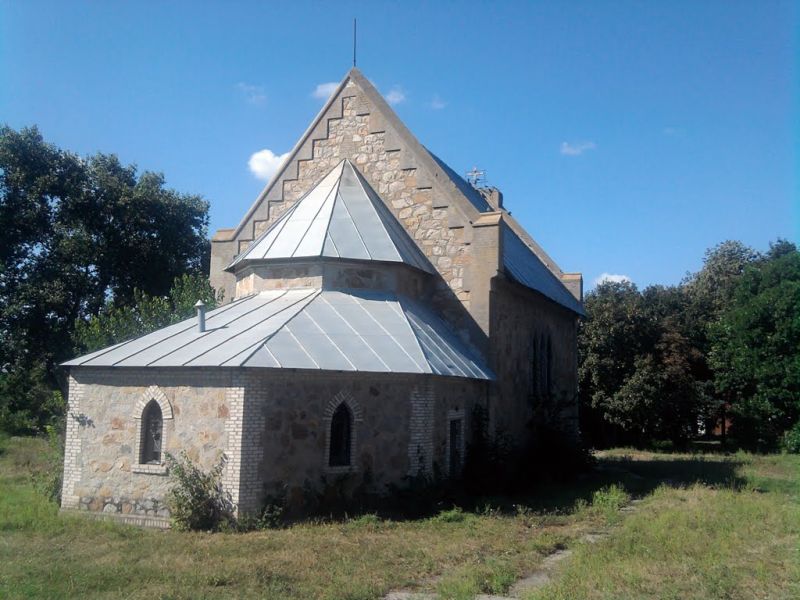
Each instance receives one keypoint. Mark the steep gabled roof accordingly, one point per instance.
(340, 217)
(329, 330)
(460, 196)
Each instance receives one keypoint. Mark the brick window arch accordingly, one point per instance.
(152, 414)
(341, 418)
(340, 438)
(152, 433)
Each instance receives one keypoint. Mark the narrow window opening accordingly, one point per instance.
(534, 366)
(341, 437)
(152, 426)
(455, 458)
(549, 367)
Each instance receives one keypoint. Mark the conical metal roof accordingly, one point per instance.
(341, 217)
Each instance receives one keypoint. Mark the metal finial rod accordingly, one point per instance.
(354, 42)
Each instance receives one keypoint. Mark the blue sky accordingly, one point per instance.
(627, 137)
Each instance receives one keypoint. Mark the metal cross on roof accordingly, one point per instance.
(476, 177)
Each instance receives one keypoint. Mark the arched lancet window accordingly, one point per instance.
(152, 429)
(534, 367)
(548, 367)
(341, 437)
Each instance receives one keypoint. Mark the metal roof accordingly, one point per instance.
(340, 217)
(306, 329)
(525, 268)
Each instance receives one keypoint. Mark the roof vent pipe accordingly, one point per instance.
(201, 316)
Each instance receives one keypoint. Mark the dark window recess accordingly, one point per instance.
(340, 437)
(534, 366)
(455, 446)
(152, 424)
(548, 374)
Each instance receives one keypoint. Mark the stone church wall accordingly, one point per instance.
(271, 425)
(517, 316)
(400, 429)
(101, 471)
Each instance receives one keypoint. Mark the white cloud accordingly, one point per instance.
(396, 95)
(437, 103)
(323, 91)
(253, 94)
(264, 163)
(604, 277)
(576, 148)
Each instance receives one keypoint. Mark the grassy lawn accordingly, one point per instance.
(708, 527)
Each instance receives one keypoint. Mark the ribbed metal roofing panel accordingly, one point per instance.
(525, 267)
(306, 329)
(340, 217)
(440, 344)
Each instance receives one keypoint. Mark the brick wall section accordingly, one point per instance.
(72, 445)
(234, 399)
(421, 425)
(252, 451)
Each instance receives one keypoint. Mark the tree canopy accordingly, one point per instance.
(80, 233)
(663, 363)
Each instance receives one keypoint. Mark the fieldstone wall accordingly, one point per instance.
(272, 425)
(332, 274)
(101, 468)
(401, 424)
(518, 316)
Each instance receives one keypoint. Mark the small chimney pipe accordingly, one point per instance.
(201, 316)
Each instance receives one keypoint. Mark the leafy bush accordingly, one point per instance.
(608, 500)
(454, 515)
(791, 440)
(197, 500)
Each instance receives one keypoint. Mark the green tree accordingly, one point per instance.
(638, 366)
(79, 233)
(614, 334)
(755, 350)
(115, 324)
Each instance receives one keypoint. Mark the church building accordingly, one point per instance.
(374, 300)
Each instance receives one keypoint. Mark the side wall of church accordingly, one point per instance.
(101, 468)
(400, 429)
(519, 317)
(272, 426)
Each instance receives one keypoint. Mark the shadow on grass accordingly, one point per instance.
(637, 476)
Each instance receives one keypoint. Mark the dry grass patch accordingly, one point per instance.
(702, 540)
(719, 528)
(45, 555)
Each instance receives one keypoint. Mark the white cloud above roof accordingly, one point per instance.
(612, 277)
(323, 91)
(264, 163)
(396, 95)
(576, 148)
